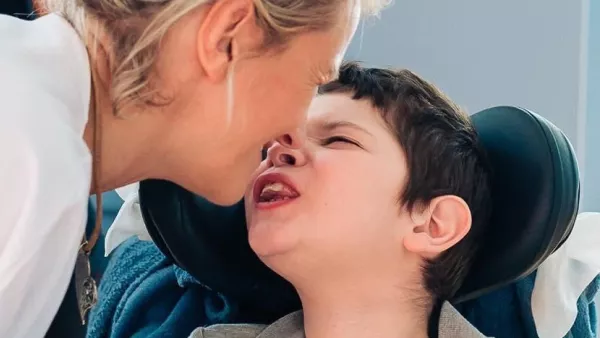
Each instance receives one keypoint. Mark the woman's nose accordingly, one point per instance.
(287, 150)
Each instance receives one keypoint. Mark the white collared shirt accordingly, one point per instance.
(45, 168)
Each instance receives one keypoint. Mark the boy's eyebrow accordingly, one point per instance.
(337, 124)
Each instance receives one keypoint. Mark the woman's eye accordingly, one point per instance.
(336, 139)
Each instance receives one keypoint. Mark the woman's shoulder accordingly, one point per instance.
(45, 71)
(44, 103)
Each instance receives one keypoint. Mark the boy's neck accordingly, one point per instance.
(374, 313)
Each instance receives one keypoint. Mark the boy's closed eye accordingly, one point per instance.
(339, 139)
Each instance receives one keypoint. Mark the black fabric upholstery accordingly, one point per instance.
(20, 8)
(535, 200)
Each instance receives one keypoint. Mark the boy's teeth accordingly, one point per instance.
(276, 191)
(276, 187)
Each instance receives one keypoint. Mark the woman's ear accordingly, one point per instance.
(228, 29)
(441, 225)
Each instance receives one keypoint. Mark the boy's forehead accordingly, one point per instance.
(328, 108)
(339, 107)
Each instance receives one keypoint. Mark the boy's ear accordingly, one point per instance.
(444, 222)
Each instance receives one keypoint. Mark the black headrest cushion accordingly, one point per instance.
(535, 187)
(535, 193)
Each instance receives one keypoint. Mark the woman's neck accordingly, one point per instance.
(357, 313)
(125, 150)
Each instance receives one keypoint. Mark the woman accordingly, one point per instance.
(101, 93)
(375, 219)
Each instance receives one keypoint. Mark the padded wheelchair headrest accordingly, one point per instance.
(535, 192)
(535, 196)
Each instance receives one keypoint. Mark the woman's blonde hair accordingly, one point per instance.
(136, 28)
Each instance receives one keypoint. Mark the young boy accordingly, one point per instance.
(376, 217)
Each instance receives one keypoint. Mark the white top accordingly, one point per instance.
(563, 277)
(45, 168)
(128, 222)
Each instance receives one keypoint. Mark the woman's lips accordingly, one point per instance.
(273, 190)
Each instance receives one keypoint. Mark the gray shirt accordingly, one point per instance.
(452, 325)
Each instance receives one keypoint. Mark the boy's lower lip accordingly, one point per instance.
(273, 205)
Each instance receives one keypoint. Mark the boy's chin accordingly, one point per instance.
(269, 245)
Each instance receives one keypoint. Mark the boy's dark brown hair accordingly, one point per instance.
(443, 155)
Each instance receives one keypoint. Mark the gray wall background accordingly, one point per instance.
(591, 201)
(592, 183)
